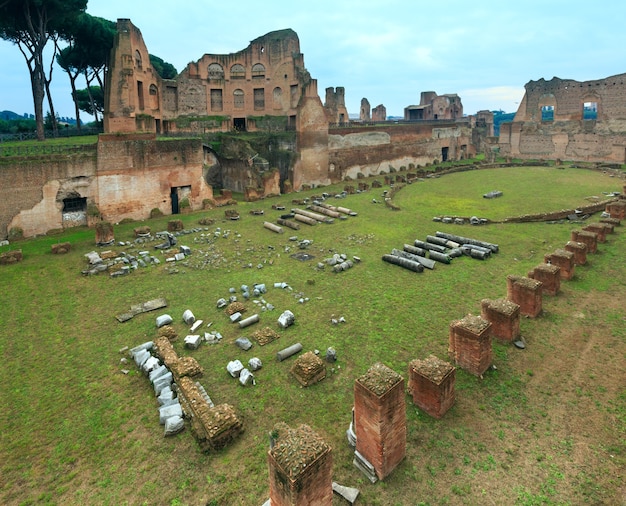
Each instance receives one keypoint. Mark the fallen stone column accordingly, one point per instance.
(403, 262)
(272, 227)
(440, 257)
(249, 321)
(316, 216)
(327, 212)
(414, 250)
(466, 240)
(426, 262)
(288, 352)
(305, 219)
(429, 246)
(345, 210)
(288, 224)
(441, 241)
(474, 253)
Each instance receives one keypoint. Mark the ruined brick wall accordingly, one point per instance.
(571, 132)
(32, 190)
(137, 175)
(379, 113)
(370, 150)
(335, 105)
(133, 87)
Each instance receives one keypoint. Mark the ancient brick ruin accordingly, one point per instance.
(433, 106)
(550, 277)
(431, 385)
(527, 293)
(504, 316)
(589, 239)
(379, 421)
(469, 344)
(579, 250)
(569, 120)
(300, 467)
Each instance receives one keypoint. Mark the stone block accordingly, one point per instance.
(61, 248)
(11, 257)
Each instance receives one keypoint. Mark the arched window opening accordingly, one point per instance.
(258, 71)
(216, 71)
(237, 71)
(138, 61)
(547, 113)
(590, 110)
(278, 98)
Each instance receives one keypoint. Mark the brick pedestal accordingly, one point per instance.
(550, 277)
(580, 251)
(617, 209)
(598, 229)
(431, 384)
(469, 344)
(504, 318)
(380, 418)
(525, 292)
(589, 239)
(300, 467)
(564, 260)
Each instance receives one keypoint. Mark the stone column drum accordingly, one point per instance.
(431, 384)
(470, 344)
(504, 318)
(300, 467)
(380, 419)
(550, 277)
(527, 293)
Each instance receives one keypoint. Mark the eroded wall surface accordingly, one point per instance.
(569, 120)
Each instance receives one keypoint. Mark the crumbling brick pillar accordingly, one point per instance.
(580, 251)
(380, 420)
(469, 345)
(431, 384)
(527, 293)
(104, 233)
(175, 226)
(550, 277)
(589, 239)
(504, 316)
(617, 209)
(598, 229)
(564, 260)
(300, 467)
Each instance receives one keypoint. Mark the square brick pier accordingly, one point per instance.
(564, 260)
(300, 467)
(589, 239)
(527, 293)
(469, 345)
(597, 228)
(504, 316)
(617, 209)
(580, 251)
(431, 384)
(380, 421)
(549, 275)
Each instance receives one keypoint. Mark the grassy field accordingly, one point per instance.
(548, 426)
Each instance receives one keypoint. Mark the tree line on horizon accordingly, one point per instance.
(33, 25)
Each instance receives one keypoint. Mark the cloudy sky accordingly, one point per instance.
(387, 51)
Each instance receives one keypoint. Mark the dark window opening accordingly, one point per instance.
(444, 154)
(140, 94)
(239, 124)
(74, 204)
(174, 197)
(547, 113)
(590, 110)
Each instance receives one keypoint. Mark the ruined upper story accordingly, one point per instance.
(267, 78)
(569, 100)
(433, 106)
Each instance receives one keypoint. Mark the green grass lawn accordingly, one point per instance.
(78, 431)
